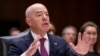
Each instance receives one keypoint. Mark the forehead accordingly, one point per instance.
(39, 8)
(90, 28)
(70, 30)
(35, 8)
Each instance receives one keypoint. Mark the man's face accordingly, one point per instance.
(70, 35)
(39, 19)
(15, 32)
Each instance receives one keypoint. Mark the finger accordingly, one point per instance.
(90, 40)
(72, 45)
(38, 44)
(85, 37)
(36, 40)
(79, 37)
(35, 46)
(32, 49)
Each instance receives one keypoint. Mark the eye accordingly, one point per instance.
(47, 14)
(94, 33)
(89, 33)
(38, 14)
(74, 34)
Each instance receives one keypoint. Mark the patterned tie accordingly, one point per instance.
(42, 47)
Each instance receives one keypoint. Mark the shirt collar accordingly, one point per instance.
(34, 35)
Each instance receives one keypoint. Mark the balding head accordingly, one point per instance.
(37, 18)
(33, 7)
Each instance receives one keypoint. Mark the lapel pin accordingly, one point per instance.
(55, 43)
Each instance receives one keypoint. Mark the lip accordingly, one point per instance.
(45, 24)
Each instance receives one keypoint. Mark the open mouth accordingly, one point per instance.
(45, 24)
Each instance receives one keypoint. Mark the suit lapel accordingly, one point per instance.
(28, 40)
(52, 41)
(53, 50)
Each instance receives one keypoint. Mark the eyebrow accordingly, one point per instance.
(41, 12)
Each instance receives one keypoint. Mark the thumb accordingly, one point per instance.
(72, 45)
(38, 45)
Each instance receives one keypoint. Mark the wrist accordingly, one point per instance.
(82, 55)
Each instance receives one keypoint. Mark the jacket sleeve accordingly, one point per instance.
(13, 49)
(68, 50)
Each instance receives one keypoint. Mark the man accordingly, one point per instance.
(69, 34)
(14, 31)
(38, 43)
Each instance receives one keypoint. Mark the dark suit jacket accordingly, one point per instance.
(1, 48)
(20, 45)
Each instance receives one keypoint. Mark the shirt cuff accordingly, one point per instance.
(23, 54)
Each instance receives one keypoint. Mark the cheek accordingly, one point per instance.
(74, 37)
(95, 37)
(36, 22)
(33, 23)
(94, 40)
(29, 22)
(67, 37)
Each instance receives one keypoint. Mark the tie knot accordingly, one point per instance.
(42, 40)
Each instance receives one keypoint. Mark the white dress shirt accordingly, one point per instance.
(46, 43)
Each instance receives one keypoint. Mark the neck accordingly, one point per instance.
(39, 33)
(91, 48)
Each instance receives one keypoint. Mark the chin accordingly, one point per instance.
(45, 30)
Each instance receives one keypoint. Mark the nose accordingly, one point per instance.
(44, 16)
(91, 36)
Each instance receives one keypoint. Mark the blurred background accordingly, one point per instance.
(62, 13)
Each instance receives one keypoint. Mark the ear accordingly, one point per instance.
(28, 21)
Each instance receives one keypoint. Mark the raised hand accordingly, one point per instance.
(33, 47)
(83, 44)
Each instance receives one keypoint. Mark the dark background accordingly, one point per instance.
(62, 13)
